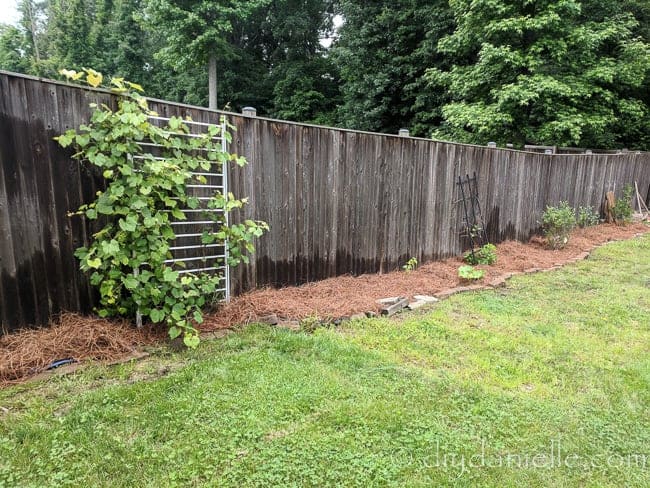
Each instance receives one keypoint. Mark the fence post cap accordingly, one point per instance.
(404, 133)
(492, 144)
(249, 111)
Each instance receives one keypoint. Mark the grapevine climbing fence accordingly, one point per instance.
(337, 201)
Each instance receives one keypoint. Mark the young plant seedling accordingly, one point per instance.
(470, 273)
(410, 265)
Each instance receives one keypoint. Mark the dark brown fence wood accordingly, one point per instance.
(337, 201)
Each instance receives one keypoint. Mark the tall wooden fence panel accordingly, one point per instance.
(337, 201)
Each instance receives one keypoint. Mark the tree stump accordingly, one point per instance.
(610, 201)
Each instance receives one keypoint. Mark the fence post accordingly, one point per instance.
(404, 133)
(249, 112)
(492, 145)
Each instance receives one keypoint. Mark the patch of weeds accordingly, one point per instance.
(411, 265)
(311, 324)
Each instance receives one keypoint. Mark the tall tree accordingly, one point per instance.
(22, 46)
(296, 78)
(545, 72)
(29, 21)
(196, 32)
(383, 50)
(269, 50)
(122, 47)
(69, 27)
(13, 45)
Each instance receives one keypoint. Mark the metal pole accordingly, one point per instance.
(136, 271)
(480, 212)
(224, 171)
(138, 314)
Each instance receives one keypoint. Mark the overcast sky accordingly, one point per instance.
(8, 12)
(9, 15)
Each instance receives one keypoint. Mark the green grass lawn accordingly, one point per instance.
(543, 383)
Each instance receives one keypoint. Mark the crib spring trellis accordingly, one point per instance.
(188, 253)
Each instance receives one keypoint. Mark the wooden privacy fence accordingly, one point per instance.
(337, 201)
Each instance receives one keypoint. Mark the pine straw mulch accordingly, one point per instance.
(29, 352)
(347, 295)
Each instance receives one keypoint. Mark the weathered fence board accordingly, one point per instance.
(337, 201)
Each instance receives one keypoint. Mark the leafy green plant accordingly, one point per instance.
(410, 265)
(622, 210)
(587, 217)
(557, 224)
(470, 273)
(487, 254)
(128, 257)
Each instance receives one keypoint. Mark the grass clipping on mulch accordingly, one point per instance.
(30, 352)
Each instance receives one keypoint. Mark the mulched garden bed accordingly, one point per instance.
(27, 353)
(346, 295)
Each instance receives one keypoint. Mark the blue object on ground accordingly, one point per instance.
(60, 362)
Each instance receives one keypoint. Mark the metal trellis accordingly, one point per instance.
(473, 223)
(188, 253)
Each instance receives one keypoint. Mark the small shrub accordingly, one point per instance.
(410, 265)
(470, 273)
(622, 210)
(485, 255)
(557, 224)
(587, 217)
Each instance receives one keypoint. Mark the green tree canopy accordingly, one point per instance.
(542, 72)
(383, 50)
(196, 32)
(284, 39)
(556, 72)
(12, 49)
